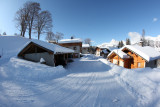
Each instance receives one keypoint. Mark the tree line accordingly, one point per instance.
(143, 41)
(121, 44)
(147, 42)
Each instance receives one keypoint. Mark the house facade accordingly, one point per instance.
(52, 54)
(104, 51)
(85, 48)
(74, 44)
(135, 57)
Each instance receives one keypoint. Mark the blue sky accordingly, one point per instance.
(100, 20)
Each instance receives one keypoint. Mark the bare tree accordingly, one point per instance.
(58, 36)
(50, 36)
(157, 44)
(34, 9)
(144, 41)
(22, 19)
(43, 23)
(151, 43)
(87, 41)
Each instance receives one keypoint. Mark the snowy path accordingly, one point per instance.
(87, 84)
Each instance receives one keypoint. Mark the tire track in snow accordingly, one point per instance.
(70, 96)
(84, 93)
(53, 87)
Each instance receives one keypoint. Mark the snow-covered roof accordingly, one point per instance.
(147, 52)
(119, 53)
(85, 45)
(76, 40)
(112, 48)
(105, 51)
(52, 47)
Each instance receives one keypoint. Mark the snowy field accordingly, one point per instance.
(87, 82)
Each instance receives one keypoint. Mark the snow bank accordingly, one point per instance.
(14, 68)
(143, 83)
(25, 70)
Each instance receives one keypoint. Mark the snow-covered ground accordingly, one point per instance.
(143, 83)
(89, 81)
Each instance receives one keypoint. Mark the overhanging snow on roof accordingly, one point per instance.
(148, 53)
(120, 53)
(51, 47)
(76, 40)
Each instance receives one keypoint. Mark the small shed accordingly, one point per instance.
(52, 54)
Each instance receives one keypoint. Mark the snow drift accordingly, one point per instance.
(143, 83)
(25, 70)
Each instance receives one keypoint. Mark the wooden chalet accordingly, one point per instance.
(52, 54)
(75, 44)
(135, 57)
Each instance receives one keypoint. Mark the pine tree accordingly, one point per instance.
(129, 42)
(122, 43)
(119, 44)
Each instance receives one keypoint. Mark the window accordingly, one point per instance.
(139, 64)
(121, 63)
(74, 48)
(155, 62)
(115, 61)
